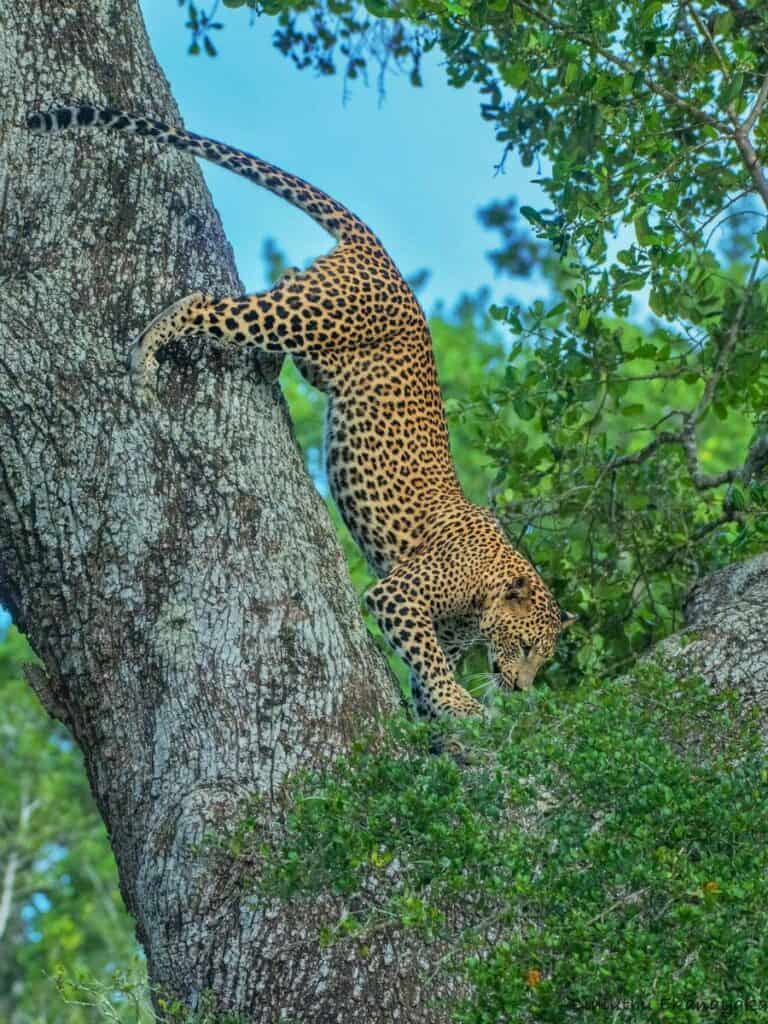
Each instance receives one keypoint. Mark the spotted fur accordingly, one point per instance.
(448, 576)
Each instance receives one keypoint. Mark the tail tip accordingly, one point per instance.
(63, 117)
(37, 121)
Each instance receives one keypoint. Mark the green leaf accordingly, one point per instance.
(732, 89)
(649, 12)
(635, 500)
(736, 498)
(556, 311)
(525, 409)
(723, 24)
(643, 232)
(632, 410)
(515, 74)
(532, 216)
(379, 8)
(657, 300)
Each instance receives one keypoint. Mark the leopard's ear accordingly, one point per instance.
(517, 589)
(567, 619)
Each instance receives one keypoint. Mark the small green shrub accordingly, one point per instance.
(614, 840)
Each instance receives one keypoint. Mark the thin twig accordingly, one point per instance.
(760, 101)
(7, 892)
(752, 162)
(701, 26)
(701, 481)
(665, 437)
(725, 352)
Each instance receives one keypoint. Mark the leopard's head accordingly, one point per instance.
(522, 623)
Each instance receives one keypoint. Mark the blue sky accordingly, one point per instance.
(416, 167)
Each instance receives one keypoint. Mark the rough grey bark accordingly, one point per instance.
(170, 561)
(725, 638)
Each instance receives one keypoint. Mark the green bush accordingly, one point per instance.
(613, 839)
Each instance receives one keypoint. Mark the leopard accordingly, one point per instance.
(447, 577)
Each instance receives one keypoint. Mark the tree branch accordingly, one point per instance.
(38, 680)
(756, 461)
(757, 107)
(12, 865)
(728, 346)
(6, 896)
(746, 148)
(701, 26)
(752, 162)
(642, 454)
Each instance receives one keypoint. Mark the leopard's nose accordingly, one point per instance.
(496, 667)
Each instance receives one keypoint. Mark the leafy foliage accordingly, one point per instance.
(61, 907)
(609, 857)
(127, 997)
(352, 29)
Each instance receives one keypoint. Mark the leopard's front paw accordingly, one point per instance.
(142, 367)
(178, 319)
(455, 702)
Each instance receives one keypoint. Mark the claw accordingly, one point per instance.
(134, 362)
(141, 364)
(142, 369)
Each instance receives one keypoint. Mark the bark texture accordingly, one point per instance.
(169, 560)
(725, 639)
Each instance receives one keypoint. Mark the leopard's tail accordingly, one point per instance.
(335, 218)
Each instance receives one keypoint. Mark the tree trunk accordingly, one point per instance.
(170, 562)
(725, 639)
